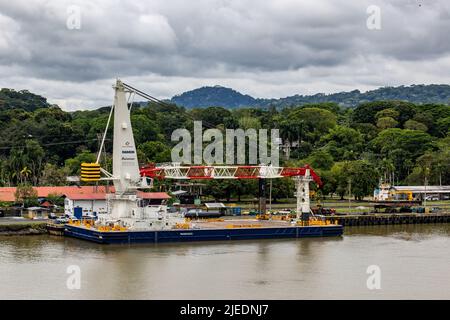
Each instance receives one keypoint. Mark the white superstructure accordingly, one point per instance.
(124, 206)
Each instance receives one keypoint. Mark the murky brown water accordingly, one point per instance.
(414, 262)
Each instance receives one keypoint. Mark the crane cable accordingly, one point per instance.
(164, 104)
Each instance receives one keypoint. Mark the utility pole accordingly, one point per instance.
(427, 172)
(262, 196)
(270, 196)
(349, 193)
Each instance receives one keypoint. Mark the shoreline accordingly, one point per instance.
(23, 228)
(12, 227)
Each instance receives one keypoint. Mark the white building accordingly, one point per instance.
(90, 203)
(95, 202)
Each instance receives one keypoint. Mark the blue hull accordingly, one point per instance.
(126, 237)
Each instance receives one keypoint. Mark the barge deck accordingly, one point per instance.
(207, 231)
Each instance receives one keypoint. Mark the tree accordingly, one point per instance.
(363, 177)
(52, 175)
(423, 168)
(386, 123)
(10, 98)
(360, 173)
(424, 117)
(25, 174)
(389, 112)
(329, 182)
(320, 159)
(26, 195)
(415, 125)
(434, 166)
(343, 143)
(387, 168)
(368, 130)
(73, 165)
(338, 180)
(310, 123)
(56, 199)
(281, 188)
(212, 116)
(219, 189)
(402, 147)
(441, 166)
(443, 126)
(34, 155)
(411, 141)
(16, 163)
(249, 123)
(366, 112)
(155, 151)
(144, 129)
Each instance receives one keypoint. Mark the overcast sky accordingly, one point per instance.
(264, 48)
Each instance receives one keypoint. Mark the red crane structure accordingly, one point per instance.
(177, 171)
(302, 176)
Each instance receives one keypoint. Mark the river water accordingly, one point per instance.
(414, 262)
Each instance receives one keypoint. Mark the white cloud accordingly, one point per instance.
(263, 48)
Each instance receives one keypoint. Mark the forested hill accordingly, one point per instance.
(42, 144)
(23, 99)
(229, 98)
(213, 96)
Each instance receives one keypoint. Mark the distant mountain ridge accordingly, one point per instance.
(219, 96)
(226, 97)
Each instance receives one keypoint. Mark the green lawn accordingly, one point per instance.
(341, 206)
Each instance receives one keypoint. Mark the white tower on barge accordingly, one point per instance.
(125, 207)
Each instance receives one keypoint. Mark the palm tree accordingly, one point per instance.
(387, 168)
(15, 165)
(25, 173)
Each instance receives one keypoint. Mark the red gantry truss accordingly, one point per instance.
(175, 171)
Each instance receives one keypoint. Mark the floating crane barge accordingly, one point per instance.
(207, 231)
(128, 221)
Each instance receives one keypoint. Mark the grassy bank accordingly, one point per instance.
(9, 227)
(341, 206)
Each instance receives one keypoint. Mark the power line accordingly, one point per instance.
(52, 144)
(164, 104)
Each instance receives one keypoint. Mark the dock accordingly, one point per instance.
(55, 229)
(390, 219)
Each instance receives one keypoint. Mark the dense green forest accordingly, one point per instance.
(395, 140)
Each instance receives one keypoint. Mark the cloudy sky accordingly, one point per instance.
(71, 51)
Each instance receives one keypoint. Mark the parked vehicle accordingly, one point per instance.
(323, 211)
(62, 220)
(52, 215)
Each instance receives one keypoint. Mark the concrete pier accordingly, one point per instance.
(390, 219)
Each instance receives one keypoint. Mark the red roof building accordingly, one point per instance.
(47, 204)
(77, 193)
